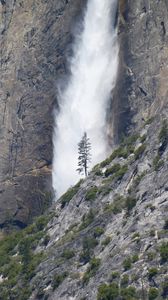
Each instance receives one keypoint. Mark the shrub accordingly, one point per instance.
(152, 272)
(114, 275)
(163, 135)
(157, 163)
(87, 220)
(112, 170)
(139, 151)
(164, 252)
(130, 140)
(98, 231)
(58, 279)
(91, 270)
(89, 242)
(41, 222)
(124, 281)
(128, 293)
(135, 258)
(67, 253)
(106, 241)
(105, 162)
(85, 256)
(46, 240)
(127, 263)
(149, 121)
(130, 203)
(29, 268)
(108, 292)
(151, 256)
(104, 190)
(66, 198)
(121, 172)
(117, 205)
(153, 293)
(91, 194)
(165, 288)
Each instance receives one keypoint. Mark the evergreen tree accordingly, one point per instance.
(84, 148)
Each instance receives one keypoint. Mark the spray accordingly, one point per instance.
(83, 103)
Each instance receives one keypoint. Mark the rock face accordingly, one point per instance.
(34, 43)
(112, 227)
(141, 91)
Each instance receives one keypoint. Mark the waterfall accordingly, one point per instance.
(84, 102)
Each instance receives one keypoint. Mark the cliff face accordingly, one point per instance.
(34, 41)
(141, 91)
(112, 228)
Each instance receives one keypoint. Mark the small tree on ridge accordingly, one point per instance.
(84, 157)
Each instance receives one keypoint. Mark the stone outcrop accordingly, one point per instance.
(34, 44)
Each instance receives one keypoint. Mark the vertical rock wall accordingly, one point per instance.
(141, 90)
(34, 36)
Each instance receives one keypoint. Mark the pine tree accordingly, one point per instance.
(84, 148)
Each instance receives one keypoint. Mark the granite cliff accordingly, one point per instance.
(34, 44)
(106, 238)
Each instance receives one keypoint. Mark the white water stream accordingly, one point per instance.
(84, 101)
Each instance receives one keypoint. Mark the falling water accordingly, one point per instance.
(84, 101)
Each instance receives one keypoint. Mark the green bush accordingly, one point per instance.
(29, 268)
(139, 151)
(108, 292)
(41, 222)
(163, 135)
(121, 172)
(157, 163)
(89, 242)
(124, 281)
(135, 258)
(153, 293)
(151, 256)
(91, 270)
(152, 272)
(130, 140)
(68, 254)
(85, 256)
(114, 275)
(66, 198)
(164, 252)
(130, 203)
(98, 231)
(87, 219)
(46, 240)
(128, 293)
(105, 162)
(91, 194)
(58, 279)
(112, 170)
(165, 288)
(118, 204)
(106, 241)
(127, 263)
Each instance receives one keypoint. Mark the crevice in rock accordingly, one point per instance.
(142, 91)
(163, 28)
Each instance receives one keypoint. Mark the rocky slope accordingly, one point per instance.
(106, 238)
(34, 44)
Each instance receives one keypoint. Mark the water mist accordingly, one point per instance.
(84, 102)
